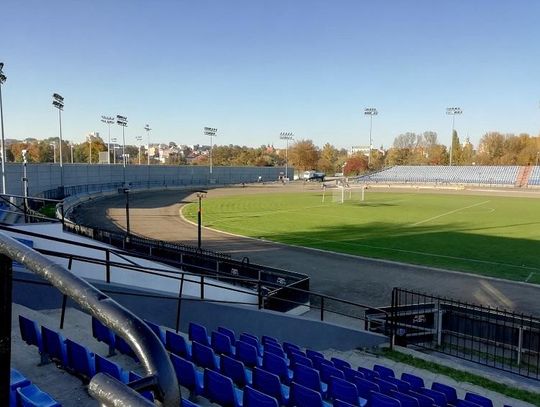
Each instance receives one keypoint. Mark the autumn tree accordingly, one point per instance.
(356, 165)
(328, 159)
(304, 155)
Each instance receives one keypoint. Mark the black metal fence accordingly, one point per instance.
(489, 336)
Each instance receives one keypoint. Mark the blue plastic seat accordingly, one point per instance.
(327, 372)
(30, 332)
(368, 373)
(54, 345)
(351, 375)
(103, 334)
(405, 399)
(480, 400)
(302, 396)
(203, 356)
(437, 396)
(269, 339)
(122, 346)
(268, 383)
(465, 403)
(16, 380)
(341, 403)
(80, 360)
(255, 398)
(293, 351)
(187, 403)
(275, 349)
(381, 400)
(345, 391)
(221, 344)
(297, 359)
(103, 365)
(313, 353)
(449, 392)
(288, 346)
(175, 343)
(187, 375)
(423, 401)
(309, 377)
(415, 381)
(235, 370)
(385, 386)
(340, 364)
(383, 371)
(402, 385)
(158, 330)
(133, 377)
(229, 333)
(32, 396)
(197, 333)
(220, 389)
(247, 354)
(253, 341)
(366, 387)
(317, 362)
(274, 364)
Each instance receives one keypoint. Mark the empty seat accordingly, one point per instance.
(32, 396)
(30, 332)
(383, 371)
(327, 372)
(317, 362)
(366, 387)
(187, 375)
(415, 381)
(269, 339)
(405, 399)
(220, 389)
(103, 365)
(103, 334)
(313, 353)
(54, 345)
(134, 377)
(275, 349)
(402, 385)
(288, 346)
(480, 400)
(16, 380)
(158, 330)
(346, 391)
(351, 375)
(368, 373)
(122, 346)
(235, 370)
(187, 403)
(437, 396)
(221, 344)
(385, 386)
(253, 341)
(80, 360)
(449, 392)
(229, 333)
(247, 354)
(203, 356)
(309, 377)
(175, 343)
(269, 383)
(255, 398)
(198, 333)
(381, 400)
(302, 396)
(297, 359)
(340, 364)
(274, 364)
(423, 400)
(465, 403)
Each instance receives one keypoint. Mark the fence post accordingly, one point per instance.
(179, 305)
(63, 315)
(392, 318)
(322, 308)
(6, 286)
(439, 326)
(520, 344)
(259, 293)
(202, 287)
(107, 266)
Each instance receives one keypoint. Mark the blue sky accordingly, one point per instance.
(253, 68)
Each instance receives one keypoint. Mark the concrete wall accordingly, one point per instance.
(43, 177)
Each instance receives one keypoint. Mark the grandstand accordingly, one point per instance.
(468, 174)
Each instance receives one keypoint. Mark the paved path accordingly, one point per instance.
(156, 215)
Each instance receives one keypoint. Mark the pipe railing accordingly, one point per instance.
(133, 330)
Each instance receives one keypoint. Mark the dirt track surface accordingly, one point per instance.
(156, 215)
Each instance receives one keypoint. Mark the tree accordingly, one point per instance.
(304, 155)
(491, 148)
(455, 153)
(329, 158)
(356, 165)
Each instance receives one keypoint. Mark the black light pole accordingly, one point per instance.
(125, 191)
(122, 121)
(211, 132)
(370, 111)
(2, 147)
(58, 102)
(200, 195)
(452, 111)
(25, 186)
(108, 120)
(286, 136)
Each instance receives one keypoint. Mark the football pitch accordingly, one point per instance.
(490, 235)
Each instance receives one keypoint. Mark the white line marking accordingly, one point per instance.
(449, 213)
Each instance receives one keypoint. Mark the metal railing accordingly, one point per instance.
(160, 378)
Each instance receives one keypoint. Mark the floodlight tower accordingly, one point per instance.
(453, 111)
(286, 136)
(370, 111)
(3, 158)
(122, 121)
(139, 139)
(108, 120)
(58, 102)
(211, 132)
(147, 128)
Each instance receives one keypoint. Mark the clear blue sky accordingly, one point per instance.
(254, 68)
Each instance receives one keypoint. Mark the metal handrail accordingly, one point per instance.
(128, 326)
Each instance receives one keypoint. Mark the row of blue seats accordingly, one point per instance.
(22, 393)
(342, 379)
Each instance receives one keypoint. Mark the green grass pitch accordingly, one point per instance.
(489, 235)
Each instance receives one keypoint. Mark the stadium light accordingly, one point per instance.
(3, 152)
(122, 121)
(139, 139)
(108, 120)
(58, 102)
(370, 111)
(453, 111)
(286, 136)
(147, 128)
(211, 132)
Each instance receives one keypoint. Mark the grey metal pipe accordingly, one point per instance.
(131, 328)
(113, 393)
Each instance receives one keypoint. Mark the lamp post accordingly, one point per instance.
(211, 132)
(71, 147)
(108, 120)
(114, 151)
(147, 128)
(2, 146)
(453, 111)
(125, 191)
(200, 195)
(286, 136)
(53, 145)
(370, 111)
(58, 102)
(122, 121)
(90, 147)
(139, 139)
(25, 186)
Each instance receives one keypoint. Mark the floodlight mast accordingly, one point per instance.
(139, 139)
(108, 120)
(122, 121)
(370, 111)
(2, 146)
(58, 102)
(286, 136)
(147, 128)
(453, 111)
(211, 132)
